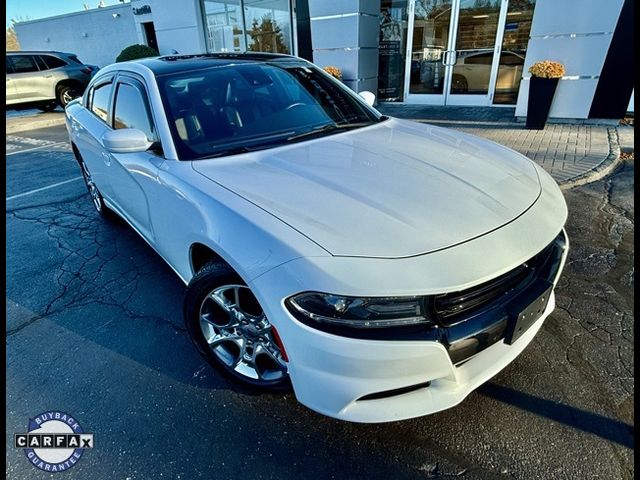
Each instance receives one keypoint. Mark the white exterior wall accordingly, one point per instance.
(577, 34)
(138, 20)
(96, 36)
(178, 25)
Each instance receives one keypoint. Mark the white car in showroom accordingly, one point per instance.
(381, 268)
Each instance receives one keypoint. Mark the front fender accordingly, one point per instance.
(189, 208)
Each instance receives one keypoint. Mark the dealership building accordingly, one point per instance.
(431, 52)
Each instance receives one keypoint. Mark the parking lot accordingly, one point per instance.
(94, 328)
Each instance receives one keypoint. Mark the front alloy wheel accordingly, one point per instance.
(230, 329)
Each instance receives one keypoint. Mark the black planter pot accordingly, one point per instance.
(541, 91)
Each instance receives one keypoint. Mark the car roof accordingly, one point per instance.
(180, 63)
(38, 52)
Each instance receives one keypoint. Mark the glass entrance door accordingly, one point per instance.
(454, 52)
(431, 30)
(475, 56)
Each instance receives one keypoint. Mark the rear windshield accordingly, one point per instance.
(254, 105)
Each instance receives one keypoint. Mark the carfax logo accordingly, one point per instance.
(54, 441)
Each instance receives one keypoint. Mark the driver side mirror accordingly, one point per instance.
(368, 97)
(126, 140)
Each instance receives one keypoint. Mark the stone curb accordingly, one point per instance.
(22, 124)
(610, 163)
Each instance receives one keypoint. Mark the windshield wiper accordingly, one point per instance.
(227, 151)
(329, 127)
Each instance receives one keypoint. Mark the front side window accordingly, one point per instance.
(131, 110)
(257, 105)
(100, 100)
(24, 64)
(9, 65)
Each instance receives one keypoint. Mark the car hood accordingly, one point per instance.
(393, 189)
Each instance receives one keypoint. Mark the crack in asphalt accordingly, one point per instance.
(595, 267)
(94, 268)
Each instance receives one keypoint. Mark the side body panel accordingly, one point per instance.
(85, 130)
(181, 206)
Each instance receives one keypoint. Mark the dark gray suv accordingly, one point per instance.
(45, 79)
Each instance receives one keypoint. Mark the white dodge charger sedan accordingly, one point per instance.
(381, 268)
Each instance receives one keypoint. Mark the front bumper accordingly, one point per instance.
(385, 380)
(336, 373)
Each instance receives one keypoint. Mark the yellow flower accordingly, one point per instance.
(334, 72)
(547, 69)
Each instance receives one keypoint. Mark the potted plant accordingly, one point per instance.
(542, 87)
(334, 72)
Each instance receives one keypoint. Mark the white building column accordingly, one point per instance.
(578, 35)
(344, 34)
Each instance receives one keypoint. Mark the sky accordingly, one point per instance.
(33, 9)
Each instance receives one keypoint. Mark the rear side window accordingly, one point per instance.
(100, 100)
(511, 59)
(53, 62)
(23, 64)
(480, 59)
(40, 62)
(132, 111)
(9, 65)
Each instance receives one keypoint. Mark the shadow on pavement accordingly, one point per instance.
(607, 428)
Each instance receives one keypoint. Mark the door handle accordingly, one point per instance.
(445, 57)
(48, 76)
(455, 57)
(106, 158)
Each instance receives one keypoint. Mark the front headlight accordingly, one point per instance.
(359, 312)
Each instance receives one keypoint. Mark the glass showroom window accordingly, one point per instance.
(223, 26)
(249, 25)
(514, 50)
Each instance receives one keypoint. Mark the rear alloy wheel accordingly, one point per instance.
(96, 197)
(67, 93)
(232, 332)
(459, 84)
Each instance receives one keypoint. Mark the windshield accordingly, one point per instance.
(235, 108)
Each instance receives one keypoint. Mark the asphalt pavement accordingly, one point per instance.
(94, 328)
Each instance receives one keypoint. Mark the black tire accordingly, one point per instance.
(459, 84)
(48, 107)
(66, 93)
(211, 276)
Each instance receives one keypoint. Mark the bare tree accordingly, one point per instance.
(12, 39)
